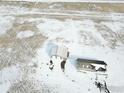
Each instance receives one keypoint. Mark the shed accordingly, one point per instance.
(60, 51)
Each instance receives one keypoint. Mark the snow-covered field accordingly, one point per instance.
(26, 36)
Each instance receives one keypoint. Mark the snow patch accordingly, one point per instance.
(7, 77)
(6, 22)
(25, 34)
(71, 31)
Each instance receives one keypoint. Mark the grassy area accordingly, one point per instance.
(102, 7)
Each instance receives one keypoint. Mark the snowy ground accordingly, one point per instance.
(27, 33)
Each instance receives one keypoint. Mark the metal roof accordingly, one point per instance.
(60, 51)
(91, 61)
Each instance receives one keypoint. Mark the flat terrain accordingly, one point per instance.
(27, 30)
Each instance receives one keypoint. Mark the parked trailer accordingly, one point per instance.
(91, 65)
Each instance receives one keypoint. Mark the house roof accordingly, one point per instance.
(60, 51)
(92, 61)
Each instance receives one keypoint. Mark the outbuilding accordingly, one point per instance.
(59, 55)
(59, 52)
(90, 64)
